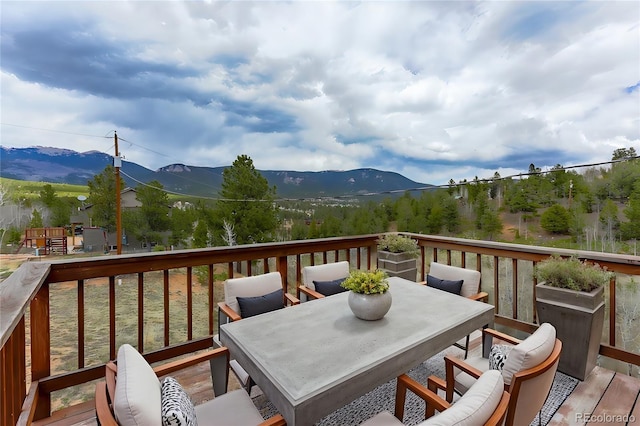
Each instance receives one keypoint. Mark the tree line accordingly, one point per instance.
(246, 209)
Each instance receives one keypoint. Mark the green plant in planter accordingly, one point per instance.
(399, 244)
(572, 273)
(366, 282)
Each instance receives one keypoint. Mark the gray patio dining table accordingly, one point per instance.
(313, 358)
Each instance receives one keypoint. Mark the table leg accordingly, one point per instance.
(219, 373)
(487, 340)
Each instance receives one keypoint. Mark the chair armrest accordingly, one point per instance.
(480, 297)
(276, 420)
(310, 293)
(451, 362)
(103, 412)
(434, 383)
(291, 299)
(230, 313)
(498, 335)
(433, 401)
(174, 366)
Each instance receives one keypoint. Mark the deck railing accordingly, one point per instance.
(41, 299)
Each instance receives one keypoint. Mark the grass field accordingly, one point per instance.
(24, 189)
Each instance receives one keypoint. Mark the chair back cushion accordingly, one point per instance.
(474, 407)
(329, 288)
(326, 272)
(257, 285)
(530, 352)
(451, 286)
(256, 305)
(137, 399)
(471, 278)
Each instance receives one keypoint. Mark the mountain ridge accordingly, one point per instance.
(60, 165)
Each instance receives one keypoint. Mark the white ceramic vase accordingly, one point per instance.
(370, 307)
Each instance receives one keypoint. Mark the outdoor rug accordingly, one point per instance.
(383, 398)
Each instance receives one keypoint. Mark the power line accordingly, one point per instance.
(393, 191)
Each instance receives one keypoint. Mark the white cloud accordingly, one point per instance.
(433, 90)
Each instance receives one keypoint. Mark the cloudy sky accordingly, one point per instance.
(431, 90)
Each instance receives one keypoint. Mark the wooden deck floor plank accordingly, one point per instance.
(617, 402)
(583, 399)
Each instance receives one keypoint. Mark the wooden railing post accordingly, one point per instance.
(612, 311)
(283, 268)
(41, 347)
(13, 375)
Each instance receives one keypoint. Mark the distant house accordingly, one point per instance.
(96, 239)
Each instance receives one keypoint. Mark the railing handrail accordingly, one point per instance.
(16, 292)
(619, 262)
(20, 287)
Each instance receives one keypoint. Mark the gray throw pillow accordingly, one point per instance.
(447, 285)
(328, 288)
(250, 306)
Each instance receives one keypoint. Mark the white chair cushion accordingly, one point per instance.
(474, 407)
(326, 272)
(530, 352)
(384, 418)
(471, 278)
(463, 381)
(137, 399)
(230, 409)
(250, 286)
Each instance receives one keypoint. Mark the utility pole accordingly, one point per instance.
(117, 163)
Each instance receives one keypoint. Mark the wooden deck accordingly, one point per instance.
(605, 397)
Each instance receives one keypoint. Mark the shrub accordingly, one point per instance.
(572, 273)
(367, 282)
(398, 244)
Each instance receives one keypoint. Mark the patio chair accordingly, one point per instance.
(328, 276)
(132, 394)
(446, 277)
(248, 296)
(484, 404)
(528, 368)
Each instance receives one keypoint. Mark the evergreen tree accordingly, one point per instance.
(102, 196)
(491, 223)
(631, 229)
(155, 205)
(36, 219)
(555, 219)
(248, 203)
(181, 226)
(48, 195)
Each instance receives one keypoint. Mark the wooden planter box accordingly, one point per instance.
(578, 318)
(398, 265)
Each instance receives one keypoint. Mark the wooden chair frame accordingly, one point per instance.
(434, 402)
(105, 390)
(518, 379)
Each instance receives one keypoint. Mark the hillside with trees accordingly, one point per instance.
(592, 208)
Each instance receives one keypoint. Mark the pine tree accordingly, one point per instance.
(248, 203)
